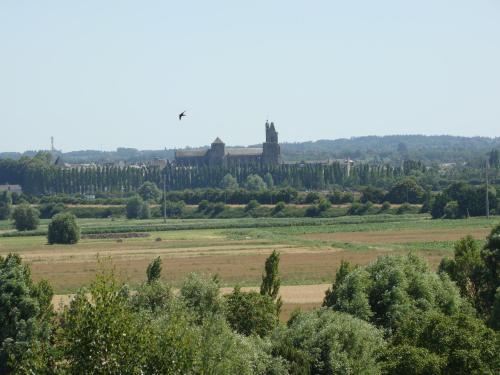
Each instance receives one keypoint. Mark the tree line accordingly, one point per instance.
(38, 176)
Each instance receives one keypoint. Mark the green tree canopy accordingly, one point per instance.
(149, 192)
(255, 182)
(25, 217)
(63, 229)
(25, 319)
(229, 182)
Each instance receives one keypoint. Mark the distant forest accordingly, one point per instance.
(373, 149)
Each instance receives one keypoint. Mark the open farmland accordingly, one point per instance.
(311, 249)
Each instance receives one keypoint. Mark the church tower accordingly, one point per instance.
(271, 153)
(216, 152)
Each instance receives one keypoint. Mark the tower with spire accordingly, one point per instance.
(271, 153)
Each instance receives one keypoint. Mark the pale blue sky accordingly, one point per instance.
(103, 74)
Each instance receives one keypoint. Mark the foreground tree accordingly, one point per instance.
(25, 319)
(63, 229)
(393, 288)
(327, 342)
(466, 269)
(25, 217)
(101, 334)
(251, 313)
(436, 343)
(271, 280)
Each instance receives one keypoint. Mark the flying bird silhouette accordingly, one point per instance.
(181, 115)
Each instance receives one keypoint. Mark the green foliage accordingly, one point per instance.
(134, 207)
(25, 319)
(252, 205)
(372, 194)
(279, 207)
(405, 191)
(251, 313)
(202, 296)
(452, 210)
(154, 297)
(466, 269)
(268, 179)
(145, 211)
(49, 210)
(229, 182)
(436, 343)
(174, 209)
(470, 200)
(271, 279)
(153, 271)
(491, 257)
(331, 294)
(411, 360)
(328, 342)
(5, 205)
(149, 192)
(386, 206)
(255, 183)
(25, 217)
(101, 334)
(393, 288)
(63, 229)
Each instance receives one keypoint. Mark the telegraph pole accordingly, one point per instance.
(487, 192)
(164, 197)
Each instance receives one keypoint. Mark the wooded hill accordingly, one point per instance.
(385, 149)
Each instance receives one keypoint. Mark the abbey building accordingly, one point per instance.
(220, 155)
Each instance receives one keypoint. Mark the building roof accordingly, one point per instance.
(190, 153)
(237, 151)
(217, 140)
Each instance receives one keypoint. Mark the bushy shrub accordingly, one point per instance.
(386, 206)
(451, 210)
(63, 229)
(278, 207)
(252, 205)
(134, 207)
(404, 208)
(25, 217)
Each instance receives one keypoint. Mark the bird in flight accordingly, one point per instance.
(181, 115)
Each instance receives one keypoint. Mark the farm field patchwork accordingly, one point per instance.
(311, 249)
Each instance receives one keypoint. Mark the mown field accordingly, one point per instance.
(235, 250)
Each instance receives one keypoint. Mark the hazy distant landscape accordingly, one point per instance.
(390, 149)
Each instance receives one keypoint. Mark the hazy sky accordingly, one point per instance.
(103, 74)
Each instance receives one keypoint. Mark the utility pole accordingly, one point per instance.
(487, 192)
(164, 196)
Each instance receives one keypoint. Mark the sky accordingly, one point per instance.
(107, 74)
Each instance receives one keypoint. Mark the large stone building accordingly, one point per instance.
(219, 155)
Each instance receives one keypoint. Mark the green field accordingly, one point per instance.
(235, 249)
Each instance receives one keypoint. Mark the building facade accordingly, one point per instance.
(220, 155)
